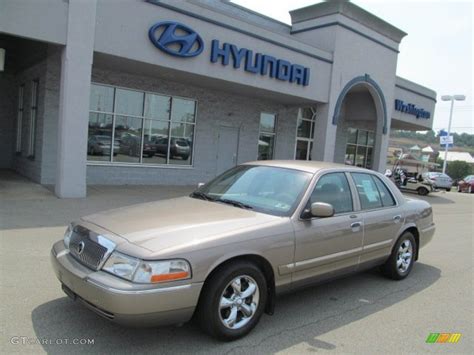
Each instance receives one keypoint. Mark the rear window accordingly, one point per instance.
(369, 195)
(373, 193)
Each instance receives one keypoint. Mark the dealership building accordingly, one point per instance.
(175, 92)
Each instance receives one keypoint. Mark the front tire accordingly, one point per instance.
(232, 301)
(401, 261)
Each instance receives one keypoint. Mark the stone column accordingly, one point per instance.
(76, 66)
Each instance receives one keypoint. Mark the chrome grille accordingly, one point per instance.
(84, 249)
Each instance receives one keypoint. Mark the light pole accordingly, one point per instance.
(450, 98)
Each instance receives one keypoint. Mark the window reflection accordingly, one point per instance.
(100, 137)
(128, 134)
(266, 139)
(305, 133)
(182, 110)
(102, 98)
(129, 102)
(181, 143)
(156, 135)
(147, 128)
(359, 148)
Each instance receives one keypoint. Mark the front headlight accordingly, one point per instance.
(162, 271)
(121, 265)
(144, 271)
(67, 235)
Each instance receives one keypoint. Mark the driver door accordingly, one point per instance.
(325, 246)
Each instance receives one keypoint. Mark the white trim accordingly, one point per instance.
(33, 118)
(19, 124)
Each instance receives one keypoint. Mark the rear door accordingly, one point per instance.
(382, 216)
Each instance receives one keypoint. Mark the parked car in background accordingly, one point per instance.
(439, 180)
(179, 147)
(100, 145)
(466, 184)
(225, 251)
(130, 145)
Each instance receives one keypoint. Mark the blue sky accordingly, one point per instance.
(437, 52)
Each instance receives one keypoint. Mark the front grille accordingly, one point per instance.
(84, 249)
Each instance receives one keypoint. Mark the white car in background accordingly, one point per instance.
(439, 180)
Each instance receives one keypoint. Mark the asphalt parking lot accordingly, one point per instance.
(365, 313)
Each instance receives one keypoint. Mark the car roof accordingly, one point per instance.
(305, 165)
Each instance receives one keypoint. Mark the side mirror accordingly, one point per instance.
(321, 209)
(318, 209)
(201, 184)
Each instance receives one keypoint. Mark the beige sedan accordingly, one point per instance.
(224, 252)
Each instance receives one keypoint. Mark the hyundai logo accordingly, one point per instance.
(80, 248)
(176, 39)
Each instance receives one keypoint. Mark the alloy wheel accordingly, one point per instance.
(404, 256)
(239, 302)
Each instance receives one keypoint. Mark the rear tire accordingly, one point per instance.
(401, 261)
(459, 189)
(422, 191)
(221, 302)
(447, 190)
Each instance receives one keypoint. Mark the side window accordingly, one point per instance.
(334, 189)
(368, 193)
(385, 195)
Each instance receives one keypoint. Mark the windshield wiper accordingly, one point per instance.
(235, 203)
(202, 195)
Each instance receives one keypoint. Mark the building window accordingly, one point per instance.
(33, 114)
(19, 121)
(360, 148)
(305, 133)
(266, 138)
(146, 128)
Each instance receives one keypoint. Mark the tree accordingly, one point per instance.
(458, 169)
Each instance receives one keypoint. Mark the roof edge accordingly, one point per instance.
(349, 10)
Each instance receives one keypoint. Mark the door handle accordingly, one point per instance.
(356, 225)
(397, 218)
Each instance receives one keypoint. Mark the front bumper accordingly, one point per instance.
(122, 301)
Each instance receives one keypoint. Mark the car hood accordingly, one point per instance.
(185, 221)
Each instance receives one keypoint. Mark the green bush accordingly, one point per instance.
(458, 169)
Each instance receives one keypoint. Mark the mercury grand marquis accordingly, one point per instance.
(221, 254)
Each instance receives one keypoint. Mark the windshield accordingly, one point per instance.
(264, 189)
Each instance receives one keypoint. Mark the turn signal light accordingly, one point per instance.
(170, 277)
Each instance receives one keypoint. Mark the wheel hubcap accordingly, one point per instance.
(239, 302)
(404, 256)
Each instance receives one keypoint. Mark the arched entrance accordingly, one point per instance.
(361, 119)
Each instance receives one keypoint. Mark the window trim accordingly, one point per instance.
(357, 192)
(19, 119)
(309, 140)
(111, 162)
(33, 118)
(376, 178)
(274, 134)
(311, 188)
